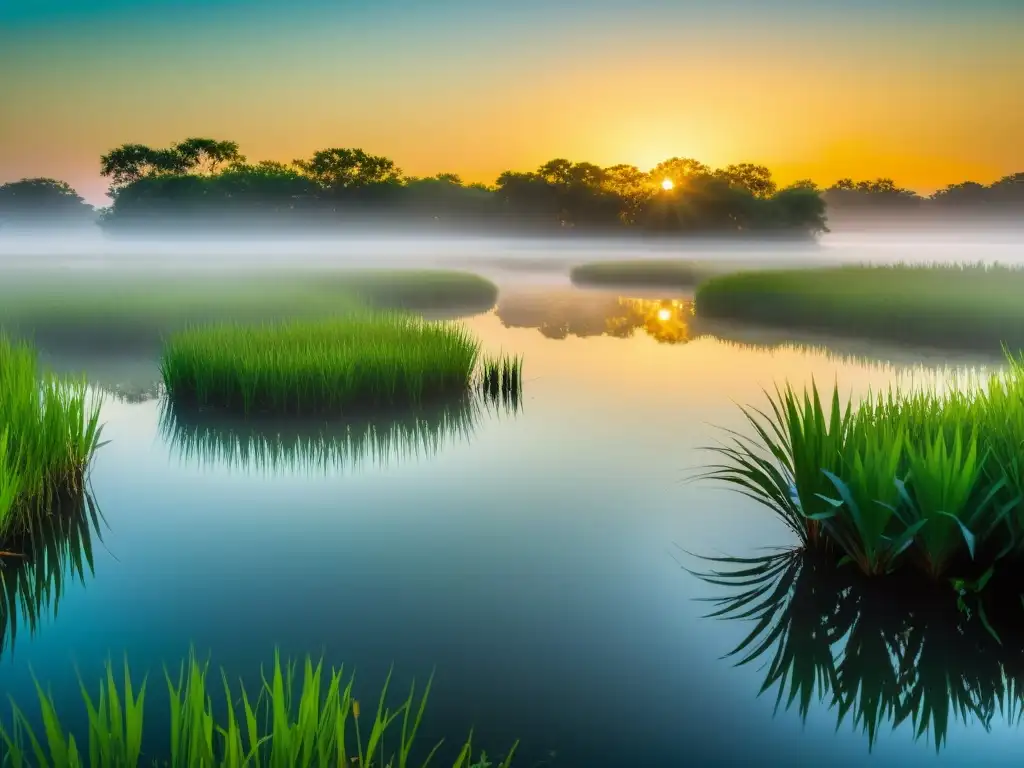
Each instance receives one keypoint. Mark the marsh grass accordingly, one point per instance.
(37, 566)
(102, 310)
(501, 378)
(640, 274)
(49, 430)
(966, 306)
(930, 479)
(897, 651)
(298, 717)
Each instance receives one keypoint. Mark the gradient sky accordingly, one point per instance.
(925, 91)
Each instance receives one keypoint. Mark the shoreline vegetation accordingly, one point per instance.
(338, 366)
(116, 311)
(49, 431)
(961, 306)
(301, 715)
(919, 480)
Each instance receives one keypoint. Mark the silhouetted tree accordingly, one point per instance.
(207, 155)
(131, 162)
(346, 168)
(42, 201)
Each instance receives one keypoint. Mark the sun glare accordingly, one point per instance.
(667, 184)
(664, 314)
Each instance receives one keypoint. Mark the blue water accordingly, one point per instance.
(533, 563)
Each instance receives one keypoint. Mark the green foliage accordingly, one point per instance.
(49, 430)
(918, 477)
(337, 366)
(305, 716)
(640, 273)
(961, 306)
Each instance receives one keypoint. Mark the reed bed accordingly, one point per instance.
(640, 274)
(49, 430)
(961, 306)
(501, 377)
(306, 717)
(925, 479)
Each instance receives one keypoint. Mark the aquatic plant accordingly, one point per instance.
(904, 649)
(501, 376)
(49, 430)
(969, 306)
(639, 273)
(361, 360)
(929, 479)
(39, 563)
(308, 718)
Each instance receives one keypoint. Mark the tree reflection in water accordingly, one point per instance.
(561, 314)
(876, 650)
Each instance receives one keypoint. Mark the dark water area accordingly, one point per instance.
(532, 556)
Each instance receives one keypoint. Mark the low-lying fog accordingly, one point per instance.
(506, 254)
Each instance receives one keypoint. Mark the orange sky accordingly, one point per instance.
(926, 99)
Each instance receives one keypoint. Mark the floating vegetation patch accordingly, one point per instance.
(49, 431)
(903, 650)
(304, 715)
(969, 306)
(39, 564)
(923, 479)
(268, 444)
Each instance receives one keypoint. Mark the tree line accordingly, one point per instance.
(206, 181)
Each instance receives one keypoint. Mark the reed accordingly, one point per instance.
(961, 306)
(49, 431)
(932, 480)
(306, 717)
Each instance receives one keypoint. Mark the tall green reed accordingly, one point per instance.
(906, 476)
(310, 718)
(49, 430)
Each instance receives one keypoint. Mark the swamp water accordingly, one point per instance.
(531, 556)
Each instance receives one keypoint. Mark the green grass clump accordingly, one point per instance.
(79, 309)
(502, 377)
(941, 305)
(49, 430)
(922, 478)
(307, 718)
(639, 274)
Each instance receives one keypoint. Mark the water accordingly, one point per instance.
(533, 559)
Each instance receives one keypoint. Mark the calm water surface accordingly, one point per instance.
(533, 559)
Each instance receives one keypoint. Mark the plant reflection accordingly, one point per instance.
(271, 445)
(876, 651)
(37, 566)
(561, 314)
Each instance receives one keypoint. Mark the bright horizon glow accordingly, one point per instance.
(667, 184)
(664, 314)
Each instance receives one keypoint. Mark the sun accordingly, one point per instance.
(664, 314)
(667, 184)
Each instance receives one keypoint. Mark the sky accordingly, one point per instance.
(927, 92)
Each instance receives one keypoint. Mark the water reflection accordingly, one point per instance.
(877, 651)
(37, 567)
(270, 445)
(562, 313)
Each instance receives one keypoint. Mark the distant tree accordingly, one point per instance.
(339, 168)
(633, 187)
(679, 170)
(42, 200)
(881, 194)
(130, 162)
(207, 155)
(757, 179)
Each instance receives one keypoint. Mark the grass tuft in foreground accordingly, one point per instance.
(49, 430)
(941, 305)
(918, 478)
(639, 274)
(306, 717)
